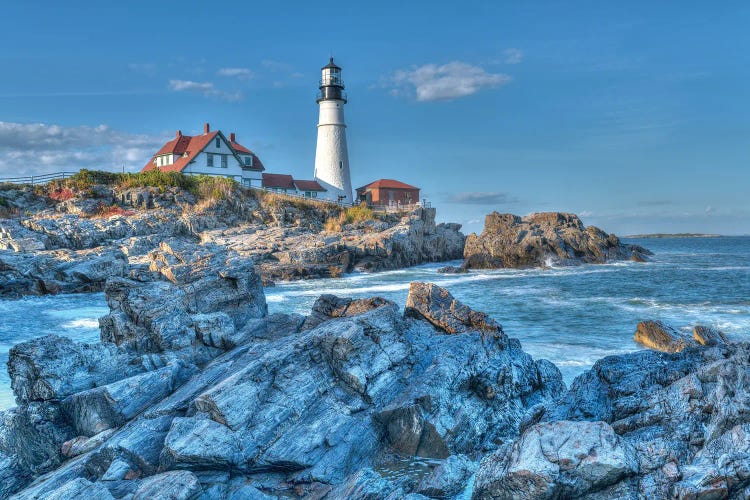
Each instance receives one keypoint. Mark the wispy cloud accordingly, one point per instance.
(433, 82)
(32, 148)
(512, 56)
(239, 73)
(207, 89)
(276, 65)
(482, 198)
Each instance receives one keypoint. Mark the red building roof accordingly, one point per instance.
(281, 181)
(188, 147)
(308, 186)
(386, 183)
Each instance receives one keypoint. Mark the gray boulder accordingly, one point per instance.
(660, 337)
(560, 459)
(543, 239)
(684, 414)
(708, 336)
(174, 485)
(109, 406)
(449, 478)
(436, 305)
(53, 367)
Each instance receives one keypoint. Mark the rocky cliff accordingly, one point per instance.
(196, 392)
(54, 241)
(543, 239)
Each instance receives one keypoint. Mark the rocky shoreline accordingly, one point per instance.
(197, 392)
(74, 245)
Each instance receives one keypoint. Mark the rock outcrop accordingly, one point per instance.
(50, 244)
(543, 239)
(290, 407)
(641, 425)
(661, 337)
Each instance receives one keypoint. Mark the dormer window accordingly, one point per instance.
(249, 161)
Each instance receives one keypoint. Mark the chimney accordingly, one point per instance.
(231, 137)
(178, 134)
(206, 128)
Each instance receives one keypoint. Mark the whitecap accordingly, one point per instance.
(82, 323)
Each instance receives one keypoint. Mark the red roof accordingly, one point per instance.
(388, 184)
(308, 186)
(282, 181)
(189, 146)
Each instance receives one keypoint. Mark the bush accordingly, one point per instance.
(351, 215)
(359, 213)
(61, 194)
(103, 210)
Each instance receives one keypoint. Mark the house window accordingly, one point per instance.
(223, 161)
(308, 194)
(341, 164)
(314, 194)
(218, 143)
(249, 161)
(209, 159)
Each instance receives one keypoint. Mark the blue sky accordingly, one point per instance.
(634, 115)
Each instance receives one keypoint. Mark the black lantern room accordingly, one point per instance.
(331, 84)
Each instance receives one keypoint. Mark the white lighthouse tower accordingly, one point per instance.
(331, 154)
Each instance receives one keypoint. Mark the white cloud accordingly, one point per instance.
(36, 148)
(207, 89)
(433, 82)
(239, 73)
(512, 56)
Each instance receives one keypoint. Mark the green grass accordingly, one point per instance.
(202, 186)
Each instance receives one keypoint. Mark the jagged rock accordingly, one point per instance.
(661, 337)
(80, 489)
(301, 406)
(708, 336)
(84, 444)
(557, 460)
(201, 444)
(30, 439)
(685, 415)
(437, 305)
(212, 279)
(111, 405)
(452, 270)
(543, 239)
(335, 380)
(175, 485)
(367, 484)
(449, 478)
(58, 271)
(210, 295)
(330, 306)
(52, 367)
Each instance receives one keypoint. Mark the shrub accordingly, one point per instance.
(360, 213)
(103, 210)
(351, 215)
(208, 187)
(61, 194)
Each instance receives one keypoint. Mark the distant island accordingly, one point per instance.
(674, 235)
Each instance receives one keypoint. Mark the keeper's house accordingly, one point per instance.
(210, 153)
(388, 193)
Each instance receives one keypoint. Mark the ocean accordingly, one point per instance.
(572, 316)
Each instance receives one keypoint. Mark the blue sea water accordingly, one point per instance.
(569, 315)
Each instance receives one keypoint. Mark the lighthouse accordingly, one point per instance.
(331, 154)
